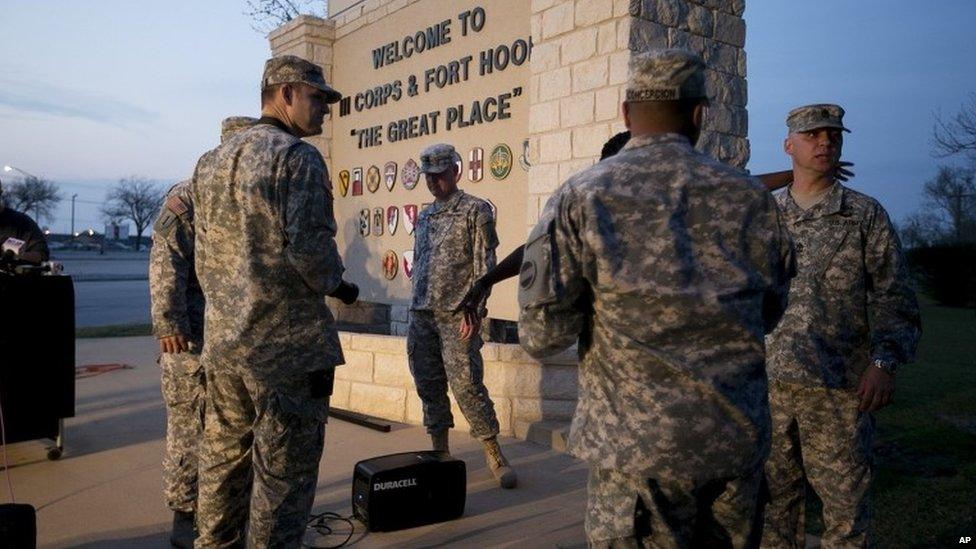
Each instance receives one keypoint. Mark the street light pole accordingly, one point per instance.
(73, 197)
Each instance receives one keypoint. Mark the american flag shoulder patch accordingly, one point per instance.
(176, 205)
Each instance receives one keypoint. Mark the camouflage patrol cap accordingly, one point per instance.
(812, 117)
(666, 75)
(290, 69)
(437, 158)
(234, 124)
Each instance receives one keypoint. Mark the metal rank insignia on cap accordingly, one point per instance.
(373, 179)
(411, 175)
(389, 175)
(343, 182)
(500, 161)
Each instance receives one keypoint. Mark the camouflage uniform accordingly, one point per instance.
(668, 267)
(454, 244)
(177, 309)
(850, 268)
(266, 258)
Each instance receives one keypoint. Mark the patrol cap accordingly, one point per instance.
(437, 158)
(290, 69)
(666, 75)
(234, 124)
(812, 117)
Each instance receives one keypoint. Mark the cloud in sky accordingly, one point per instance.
(59, 101)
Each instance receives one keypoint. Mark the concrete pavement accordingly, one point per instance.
(106, 490)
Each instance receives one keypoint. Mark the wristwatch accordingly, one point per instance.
(886, 365)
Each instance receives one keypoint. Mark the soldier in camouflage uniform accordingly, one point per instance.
(177, 314)
(266, 258)
(668, 267)
(852, 319)
(454, 244)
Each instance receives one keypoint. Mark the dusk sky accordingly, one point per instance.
(96, 90)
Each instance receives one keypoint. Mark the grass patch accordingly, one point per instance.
(120, 330)
(925, 445)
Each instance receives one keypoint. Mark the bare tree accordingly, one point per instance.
(33, 194)
(134, 198)
(958, 134)
(948, 214)
(271, 14)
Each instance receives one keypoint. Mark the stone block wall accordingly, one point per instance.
(376, 381)
(715, 30)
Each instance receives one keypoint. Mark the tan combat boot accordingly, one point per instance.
(498, 465)
(440, 441)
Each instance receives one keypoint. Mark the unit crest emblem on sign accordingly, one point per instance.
(392, 219)
(500, 161)
(476, 164)
(378, 221)
(357, 181)
(390, 264)
(364, 222)
(373, 179)
(343, 182)
(408, 263)
(410, 175)
(389, 175)
(410, 217)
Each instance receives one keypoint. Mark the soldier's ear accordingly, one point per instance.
(625, 111)
(788, 146)
(288, 93)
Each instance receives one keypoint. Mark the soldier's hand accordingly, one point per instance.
(875, 390)
(474, 298)
(347, 292)
(174, 344)
(842, 173)
(470, 324)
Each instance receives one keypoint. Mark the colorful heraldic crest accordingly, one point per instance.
(378, 221)
(373, 179)
(410, 217)
(390, 264)
(476, 164)
(357, 181)
(392, 219)
(364, 222)
(408, 263)
(344, 182)
(500, 161)
(389, 175)
(411, 175)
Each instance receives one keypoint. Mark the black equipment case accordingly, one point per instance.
(405, 490)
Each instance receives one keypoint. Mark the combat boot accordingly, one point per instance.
(440, 441)
(184, 530)
(498, 465)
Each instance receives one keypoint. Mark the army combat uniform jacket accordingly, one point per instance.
(455, 245)
(669, 267)
(851, 302)
(177, 300)
(266, 254)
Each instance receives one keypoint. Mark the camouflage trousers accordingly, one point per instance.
(259, 460)
(624, 510)
(184, 392)
(438, 358)
(820, 437)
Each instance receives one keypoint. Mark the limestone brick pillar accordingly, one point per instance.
(310, 38)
